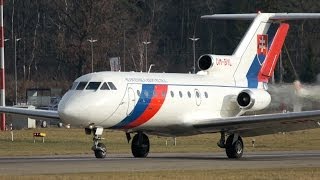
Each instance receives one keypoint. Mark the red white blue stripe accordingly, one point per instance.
(150, 101)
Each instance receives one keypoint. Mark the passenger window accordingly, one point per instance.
(163, 94)
(154, 93)
(105, 86)
(180, 94)
(146, 94)
(112, 86)
(189, 94)
(172, 94)
(81, 85)
(93, 85)
(206, 94)
(197, 94)
(74, 85)
(138, 92)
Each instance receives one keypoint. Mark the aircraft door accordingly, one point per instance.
(131, 100)
(198, 97)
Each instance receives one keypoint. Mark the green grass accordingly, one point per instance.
(239, 174)
(74, 141)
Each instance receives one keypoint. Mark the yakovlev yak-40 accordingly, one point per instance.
(169, 104)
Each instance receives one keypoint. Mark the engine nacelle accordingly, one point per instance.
(253, 99)
(205, 62)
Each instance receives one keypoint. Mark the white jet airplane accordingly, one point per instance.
(169, 104)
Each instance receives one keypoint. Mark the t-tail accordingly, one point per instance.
(254, 60)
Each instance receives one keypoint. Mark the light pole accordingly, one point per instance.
(146, 44)
(92, 41)
(15, 68)
(194, 39)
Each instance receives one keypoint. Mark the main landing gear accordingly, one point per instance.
(233, 145)
(140, 145)
(99, 149)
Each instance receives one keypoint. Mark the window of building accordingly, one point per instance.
(93, 85)
(104, 86)
(81, 85)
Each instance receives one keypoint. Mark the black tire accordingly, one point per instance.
(235, 150)
(140, 146)
(101, 151)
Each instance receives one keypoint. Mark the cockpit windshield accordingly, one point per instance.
(93, 85)
(112, 86)
(74, 85)
(105, 86)
(81, 85)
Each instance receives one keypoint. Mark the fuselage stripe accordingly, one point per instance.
(154, 106)
(150, 101)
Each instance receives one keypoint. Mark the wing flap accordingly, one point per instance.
(262, 124)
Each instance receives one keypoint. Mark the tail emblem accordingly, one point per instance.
(262, 48)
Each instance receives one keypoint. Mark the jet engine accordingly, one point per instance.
(205, 62)
(253, 99)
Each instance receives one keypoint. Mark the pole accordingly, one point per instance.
(15, 71)
(194, 39)
(2, 75)
(92, 41)
(194, 56)
(124, 50)
(146, 44)
(146, 58)
(91, 56)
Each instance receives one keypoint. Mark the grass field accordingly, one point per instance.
(74, 141)
(239, 174)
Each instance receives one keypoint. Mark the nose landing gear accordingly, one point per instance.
(100, 150)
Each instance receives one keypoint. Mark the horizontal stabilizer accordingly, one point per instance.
(273, 16)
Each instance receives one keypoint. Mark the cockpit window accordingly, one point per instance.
(81, 85)
(93, 85)
(112, 86)
(105, 86)
(74, 85)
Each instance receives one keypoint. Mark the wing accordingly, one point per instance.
(30, 112)
(262, 124)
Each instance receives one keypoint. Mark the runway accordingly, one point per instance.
(155, 161)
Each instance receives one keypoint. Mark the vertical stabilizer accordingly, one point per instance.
(255, 58)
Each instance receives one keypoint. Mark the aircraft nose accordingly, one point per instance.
(71, 112)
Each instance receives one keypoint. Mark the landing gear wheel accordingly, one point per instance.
(140, 145)
(100, 151)
(234, 150)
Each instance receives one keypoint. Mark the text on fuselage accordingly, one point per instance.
(223, 62)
